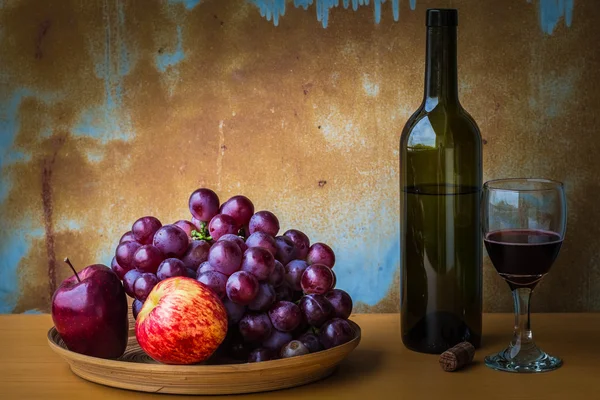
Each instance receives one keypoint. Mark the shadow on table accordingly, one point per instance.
(364, 362)
(495, 341)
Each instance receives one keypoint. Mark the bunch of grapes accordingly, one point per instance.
(278, 290)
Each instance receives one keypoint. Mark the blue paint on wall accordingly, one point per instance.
(274, 9)
(13, 248)
(188, 4)
(32, 311)
(107, 122)
(270, 9)
(168, 59)
(9, 128)
(368, 269)
(371, 88)
(552, 11)
(396, 9)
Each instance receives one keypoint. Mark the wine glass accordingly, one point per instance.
(524, 223)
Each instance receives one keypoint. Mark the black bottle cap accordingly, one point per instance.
(442, 17)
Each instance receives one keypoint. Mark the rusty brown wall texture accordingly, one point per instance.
(110, 110)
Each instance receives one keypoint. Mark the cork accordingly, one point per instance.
(457, 357)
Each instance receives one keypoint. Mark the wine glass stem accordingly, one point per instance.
(522, 337)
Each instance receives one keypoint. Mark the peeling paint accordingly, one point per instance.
(272, 10)
(371, 88)
(552, 92)
(9, 128)
(552, 11)
(14, 245)
(100, 130)
(167, 59)
(108, 122)
(188, 4)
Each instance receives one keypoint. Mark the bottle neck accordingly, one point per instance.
(441, 76)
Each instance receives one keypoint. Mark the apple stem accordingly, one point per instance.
(73, 268)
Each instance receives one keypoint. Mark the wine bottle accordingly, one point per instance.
(440, 187)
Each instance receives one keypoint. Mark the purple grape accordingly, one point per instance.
(242, 287)
(283, 292)
(316, 309)
(255, 327)
(277, 340)
(293, 273)
(147, 258)
(235, 311)
(311, 341)
(125, 252)
(264, 298)
(301, 329)
(170, 268)
(127, 237)
(204, 267)
(236, 239)
(204, 204)
(225, 257)
(341, 303)
(172, 241)
(285, 316)
(190, 273)
(198, 224)
(144, 285)
(144, 229)
(335, 332)
(216, 281)
(117, 269)
(293, 349)
(334, 280)
(259, 262)
(220, 225)
(129, 279)
(317, 279)
(301, 241)
(240, 208)
(277, 276)
(264, 240)
(136, 306)
(187, 226)
(320, 253)
(286, 249)
(196, 254)
(264, 221)
(261, 354)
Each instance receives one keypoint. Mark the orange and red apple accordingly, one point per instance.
(181, 322)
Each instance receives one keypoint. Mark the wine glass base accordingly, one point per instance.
(542, 363)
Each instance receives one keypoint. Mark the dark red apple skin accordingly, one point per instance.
(91, 315)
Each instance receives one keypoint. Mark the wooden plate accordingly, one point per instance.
(137, 371)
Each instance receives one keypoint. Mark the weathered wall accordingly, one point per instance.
(110, 110)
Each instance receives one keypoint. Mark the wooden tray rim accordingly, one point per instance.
(199, 368)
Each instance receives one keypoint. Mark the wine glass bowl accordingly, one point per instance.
(524, 223)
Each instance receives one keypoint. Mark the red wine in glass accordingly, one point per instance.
(522, 256)
(524, 222)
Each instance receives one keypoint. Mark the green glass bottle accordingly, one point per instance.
(440, 186)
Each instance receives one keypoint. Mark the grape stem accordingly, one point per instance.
(201, 234)
(72, 268)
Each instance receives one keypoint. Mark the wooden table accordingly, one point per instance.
(380, 368)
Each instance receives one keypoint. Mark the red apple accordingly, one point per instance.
(89, 311)
(181, 322)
